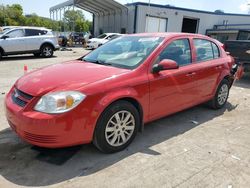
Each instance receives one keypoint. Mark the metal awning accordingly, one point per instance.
(93, 6)
(222, 31)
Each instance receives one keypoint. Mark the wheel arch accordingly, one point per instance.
(47, 43)
(129, 95)
(1, 50)
(230, 79)
(137, 105)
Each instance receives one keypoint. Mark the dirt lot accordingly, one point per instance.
(198, 147)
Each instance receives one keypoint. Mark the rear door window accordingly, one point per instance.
(34, 32)
(216, 51)
(205, 50)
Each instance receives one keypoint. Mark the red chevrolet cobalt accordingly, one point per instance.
(108, 95)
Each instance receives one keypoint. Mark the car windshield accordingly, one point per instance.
(125, 52)
(102, 36)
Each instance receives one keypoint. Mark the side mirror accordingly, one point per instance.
(165, 64)
(5, 37)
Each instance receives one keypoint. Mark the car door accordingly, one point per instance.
(15, 41)
(33, 39)
(172, 90)
(209, 65)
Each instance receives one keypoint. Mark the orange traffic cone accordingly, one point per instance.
(25, 69)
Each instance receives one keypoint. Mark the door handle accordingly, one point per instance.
(190, 74)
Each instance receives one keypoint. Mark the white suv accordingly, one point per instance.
(24, 40)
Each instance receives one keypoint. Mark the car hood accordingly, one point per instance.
(65, 76)
(96, 40)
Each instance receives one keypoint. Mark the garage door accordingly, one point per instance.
(154, 24)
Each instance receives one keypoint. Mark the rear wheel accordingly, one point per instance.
(47, 51)
(221, 96)
(117, 127)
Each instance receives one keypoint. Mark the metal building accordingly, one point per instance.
(111, 16)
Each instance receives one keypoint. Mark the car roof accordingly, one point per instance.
(27, 27)
(168, 34)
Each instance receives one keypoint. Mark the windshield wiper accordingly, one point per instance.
(97, 62)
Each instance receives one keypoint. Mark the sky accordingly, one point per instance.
(41, 7)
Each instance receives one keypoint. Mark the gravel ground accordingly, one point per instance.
(198, 147)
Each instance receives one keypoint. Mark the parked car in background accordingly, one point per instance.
(25, 40)
(101, 39)
(108, 95)
(77, 37)
(240, 49)
(62, 40)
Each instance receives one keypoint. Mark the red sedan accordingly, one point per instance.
(108, 95)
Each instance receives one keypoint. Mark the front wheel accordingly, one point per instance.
(221, 95)
(116, 127)
(47, 51)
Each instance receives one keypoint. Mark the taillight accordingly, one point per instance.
(223, 46)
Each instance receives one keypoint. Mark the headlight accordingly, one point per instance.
(59, 102)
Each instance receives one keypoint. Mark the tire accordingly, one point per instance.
(37, 54)
(111, 136)
(47, 51)
(1, 54)
(221, 96)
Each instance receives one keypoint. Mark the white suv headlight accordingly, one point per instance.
(59, 102)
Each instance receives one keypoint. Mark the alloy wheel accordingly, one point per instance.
(223, 94)
(120, 128)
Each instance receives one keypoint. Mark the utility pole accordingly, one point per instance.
(147, 20)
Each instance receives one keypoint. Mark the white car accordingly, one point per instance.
(24, 40)
(101, 39)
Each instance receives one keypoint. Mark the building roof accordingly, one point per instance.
(93, 6)
(185, 9)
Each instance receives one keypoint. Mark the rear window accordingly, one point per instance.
(205, 50)
(34, 32)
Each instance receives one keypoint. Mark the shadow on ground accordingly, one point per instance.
(27, 165)
(21, 57)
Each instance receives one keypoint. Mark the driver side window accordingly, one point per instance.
(16, 33)
(179, 51)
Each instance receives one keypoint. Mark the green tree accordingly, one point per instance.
(75, 21)
(12, 15)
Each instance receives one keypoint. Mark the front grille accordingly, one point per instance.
(20, 98)
(24, 95)
(40, 138)
(18, 101)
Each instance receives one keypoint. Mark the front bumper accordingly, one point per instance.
(57, 47)
(92, 45)
(47, 130)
